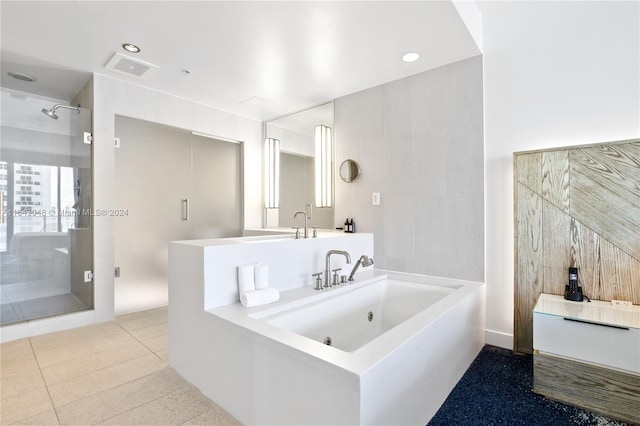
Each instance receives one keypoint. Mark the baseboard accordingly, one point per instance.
(497, 338)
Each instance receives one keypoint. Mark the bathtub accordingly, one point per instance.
(351, 320)
(398, 345)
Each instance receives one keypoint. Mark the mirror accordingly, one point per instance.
(349, 170)
(297, 149)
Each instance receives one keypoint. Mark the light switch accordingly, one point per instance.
(375, 198)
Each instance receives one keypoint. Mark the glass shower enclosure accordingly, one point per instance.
(46, 248)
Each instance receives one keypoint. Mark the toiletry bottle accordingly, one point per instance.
(353, 226)
(346, 225)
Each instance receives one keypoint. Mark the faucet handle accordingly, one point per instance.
(335, 276)
(297, 228)
(315, 231)
(318, 280)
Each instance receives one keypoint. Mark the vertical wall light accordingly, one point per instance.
(271, 173)
(323, 166)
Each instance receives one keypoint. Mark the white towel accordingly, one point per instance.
(261, 276)
(245, 278)
(259, 297)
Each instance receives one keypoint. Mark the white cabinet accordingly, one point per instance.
(593, 332)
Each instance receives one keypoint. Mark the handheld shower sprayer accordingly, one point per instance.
(52, 112)
(364, 261)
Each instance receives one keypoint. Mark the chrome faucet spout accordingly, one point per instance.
(327, 264)
(306, 224)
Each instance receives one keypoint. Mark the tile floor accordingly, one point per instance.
(111, 373)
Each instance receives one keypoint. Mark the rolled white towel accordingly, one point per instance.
(261, 276)
(246, 280)
(259, 297)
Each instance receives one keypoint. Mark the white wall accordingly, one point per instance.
(555, 74)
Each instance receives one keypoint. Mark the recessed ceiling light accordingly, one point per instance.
(22, 76)
(131, 48)
(410, 57)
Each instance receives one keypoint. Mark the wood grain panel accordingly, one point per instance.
(619, 274)
(618, 164)
(609, 392)
(600, 202)
(556, 244)
(555, 178)
(528, 170)
(528, 264)
(585, 255)
(599, 187)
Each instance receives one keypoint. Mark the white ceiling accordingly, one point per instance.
(257, 59)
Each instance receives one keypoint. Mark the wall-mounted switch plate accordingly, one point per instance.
(375, 198)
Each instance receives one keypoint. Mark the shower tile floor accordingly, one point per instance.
(40, 308)
(109, 373)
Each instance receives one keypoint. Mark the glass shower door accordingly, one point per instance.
(45, 234)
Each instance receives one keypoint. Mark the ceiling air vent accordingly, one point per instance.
(133, 67)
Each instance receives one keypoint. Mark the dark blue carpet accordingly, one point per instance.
(497, 390)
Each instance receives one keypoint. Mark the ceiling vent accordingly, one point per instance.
(132, 67)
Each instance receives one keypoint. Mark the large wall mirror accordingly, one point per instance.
(297, 155)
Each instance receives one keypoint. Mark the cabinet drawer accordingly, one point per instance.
(604, 345)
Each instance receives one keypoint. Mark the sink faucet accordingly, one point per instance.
(306, 226)
(327, 264)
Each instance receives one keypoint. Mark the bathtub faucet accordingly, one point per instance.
(306, 225)
(327, 264)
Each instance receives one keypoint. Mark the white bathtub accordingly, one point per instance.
(349, 321)
(270, 365)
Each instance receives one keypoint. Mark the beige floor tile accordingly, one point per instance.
(80, 348)
(17, 357)
(216, 416)
(75, 335)
(93, 362)
(155, 330)
(143, 322)
(157, 344)
(172, 409)
(20, 383)
(79, 387)
(48, 418)
(112, 402)
(163, 355)
(163, 310)
(24, 406)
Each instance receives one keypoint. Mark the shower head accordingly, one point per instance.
(366, 260)
(52, 112)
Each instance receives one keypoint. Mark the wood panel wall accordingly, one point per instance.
(577, 206)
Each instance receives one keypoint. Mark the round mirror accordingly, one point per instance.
(349, 170)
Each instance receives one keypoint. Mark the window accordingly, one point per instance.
(40, 199)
